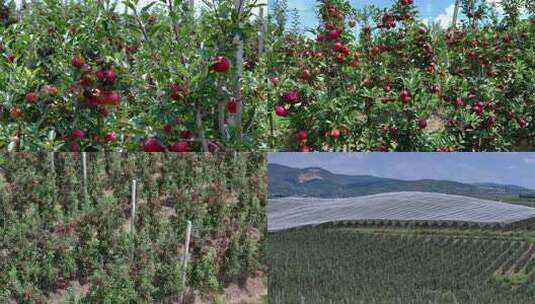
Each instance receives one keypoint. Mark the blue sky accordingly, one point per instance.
(503, 168)
(432, 10)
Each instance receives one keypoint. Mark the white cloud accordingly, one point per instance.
(445, 19)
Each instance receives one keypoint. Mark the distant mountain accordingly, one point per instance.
(318, 182)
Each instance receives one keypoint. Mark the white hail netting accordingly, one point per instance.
(289, 212)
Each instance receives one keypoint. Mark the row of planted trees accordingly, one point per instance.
(174, 75)
(382, 79)
(167, 77)
(54, 238)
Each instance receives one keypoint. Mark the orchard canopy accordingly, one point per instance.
(211, 75)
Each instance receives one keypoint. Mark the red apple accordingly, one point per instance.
(221, 64)
(31, 97)
(11, 58)
(77, 134)
(422, 123)
(232, 105)
(334, 134)
(167, 128)
(301, 136)
(290, 96)
(111, 98)
(153, 145)
(180, 147)
(405, 96)
(110, 137)
(281, 111)
(77, 62)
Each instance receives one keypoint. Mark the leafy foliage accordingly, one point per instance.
(383, 80)
(83, 75)
(343, 266)
(51, 236)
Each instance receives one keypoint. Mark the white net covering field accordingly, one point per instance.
(291, 212)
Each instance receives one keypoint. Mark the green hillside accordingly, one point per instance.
(317, 182)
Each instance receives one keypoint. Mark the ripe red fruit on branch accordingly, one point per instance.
(422, 123)
(281, 111)
(232, 105)
(405, 96)
(435, 89)
(275, 81)
(77, 134)
(110, 137)
(167, 128)
(213, 147)
(352, 23)
(491, 122)
(74, 147)
(153, 145)
(472, 56)
(334, 134)
(304, 149)
(301, 136)
(77, 62)
(305, 75)
(333, 34)
(109, 75)
(111, 98)
(186, 134)
(290, 96)
(11, 58)
(458, 102)
(221, 64)
(180, 147)
(106, 75)
(31, 97)
(338, 46)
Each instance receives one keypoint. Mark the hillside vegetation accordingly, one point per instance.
(53, 239)
(317, 182)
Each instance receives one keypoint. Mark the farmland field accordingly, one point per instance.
(394, 265)
(64, 239)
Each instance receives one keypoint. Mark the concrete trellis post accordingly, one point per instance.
(133, 217)
(185, 259)
(52, 163)
(262, 32)
(84, 165)
(238, 41)
(455, 13)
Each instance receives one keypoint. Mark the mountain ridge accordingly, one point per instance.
(318, 182)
